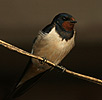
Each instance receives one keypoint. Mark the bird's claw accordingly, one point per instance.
(44, 60)
(62, 68)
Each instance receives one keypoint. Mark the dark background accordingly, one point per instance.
(20, 21)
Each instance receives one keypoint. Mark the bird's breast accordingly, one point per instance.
(54, 39)
(52, 47)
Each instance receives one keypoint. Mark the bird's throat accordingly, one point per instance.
(67, 26)
(63, 33)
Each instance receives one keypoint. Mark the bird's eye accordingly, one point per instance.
(64, 18)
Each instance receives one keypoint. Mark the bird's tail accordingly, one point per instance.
(18, 91)
(9, 96)
(21, 89)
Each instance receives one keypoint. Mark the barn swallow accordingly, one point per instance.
(53, 42)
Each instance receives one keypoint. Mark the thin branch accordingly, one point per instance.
(14, 48)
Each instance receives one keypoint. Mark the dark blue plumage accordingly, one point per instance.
(53, 42)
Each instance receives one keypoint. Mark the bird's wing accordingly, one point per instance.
(21, 88)
(30, 75)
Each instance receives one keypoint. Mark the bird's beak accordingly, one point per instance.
(73, 21)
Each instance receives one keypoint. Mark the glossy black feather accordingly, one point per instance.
(27, 85)
(48, 28)
(43, 47)
(21, 89)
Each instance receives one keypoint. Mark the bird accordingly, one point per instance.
(53, 43)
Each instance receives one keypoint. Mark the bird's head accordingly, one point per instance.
(64, 21)
(64, 25)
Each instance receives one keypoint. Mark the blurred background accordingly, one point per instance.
(20, 21)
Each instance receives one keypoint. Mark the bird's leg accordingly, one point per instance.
(44, 60)
(61, 67)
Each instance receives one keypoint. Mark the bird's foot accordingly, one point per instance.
(44, 60)
(62, 68)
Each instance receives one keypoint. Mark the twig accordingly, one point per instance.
(14, 48)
